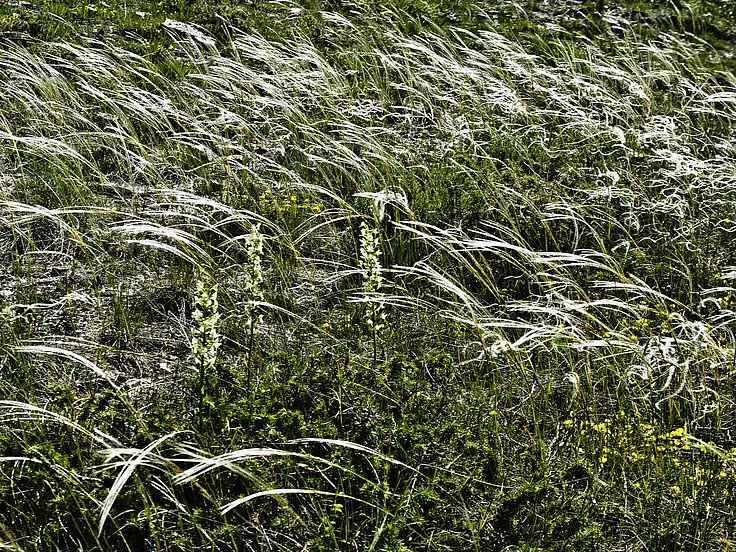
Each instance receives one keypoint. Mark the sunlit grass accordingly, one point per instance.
(456, 285)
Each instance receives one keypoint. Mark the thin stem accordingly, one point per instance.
(251, 339)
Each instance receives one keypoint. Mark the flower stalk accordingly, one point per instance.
(205, 346)
(371, 270)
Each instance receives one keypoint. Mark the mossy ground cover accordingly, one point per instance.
(367, 276)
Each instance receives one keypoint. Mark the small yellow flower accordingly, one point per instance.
(567, 423)
(635, 456)
(675, 490)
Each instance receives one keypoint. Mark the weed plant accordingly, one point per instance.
(376, 276)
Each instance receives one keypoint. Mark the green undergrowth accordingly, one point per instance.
(367, 276)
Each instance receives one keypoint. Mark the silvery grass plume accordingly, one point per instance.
(572, 227)
(297, 97)
(131, 460)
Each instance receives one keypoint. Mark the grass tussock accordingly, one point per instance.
(416, 281)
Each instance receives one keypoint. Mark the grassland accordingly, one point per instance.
(388, 276)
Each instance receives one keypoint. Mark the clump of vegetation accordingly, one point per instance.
(414, 276)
